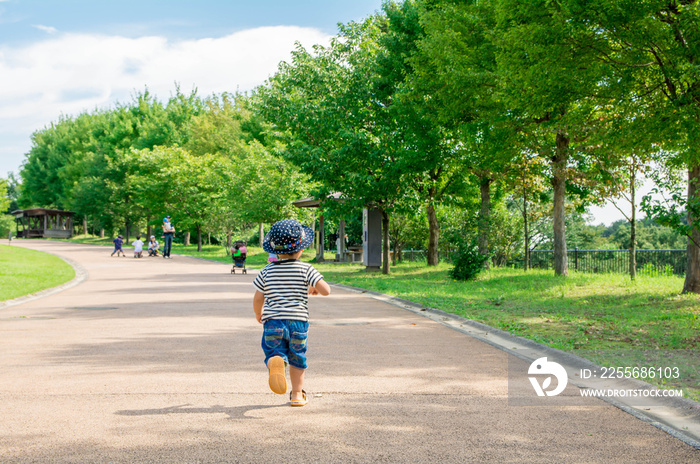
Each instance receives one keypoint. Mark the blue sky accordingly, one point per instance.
(22, 21)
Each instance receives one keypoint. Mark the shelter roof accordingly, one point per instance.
(41, 212)
(311, 202)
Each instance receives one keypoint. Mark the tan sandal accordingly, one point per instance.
(301, 402)
(277, 380)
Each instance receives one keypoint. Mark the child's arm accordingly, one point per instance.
(258, 301)
(321, 288)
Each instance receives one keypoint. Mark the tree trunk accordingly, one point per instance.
(313, 228)
(187, 238)
(341, 241)
(385, 242)
(633, 227)
(199, 238)
(484, 217)
(85, 231)
(561, 266)
(692, 272)
(434, 235)
(321, 240)
(261, 232)
(102, 233)
(228, 241)
(526, 262)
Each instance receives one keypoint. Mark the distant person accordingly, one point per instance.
(168, 231)
(271, 257)
(118, 242)
(152, 246)
(337, 246)
(138, 247)
(237, 250)
(281, 305)
(239, 253)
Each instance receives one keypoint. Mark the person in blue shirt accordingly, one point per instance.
(118, 242)
(168, 231)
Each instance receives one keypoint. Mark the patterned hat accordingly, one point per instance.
(287, 237)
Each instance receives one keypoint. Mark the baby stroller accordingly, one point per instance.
(239, 252)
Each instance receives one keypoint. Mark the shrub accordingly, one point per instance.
(468, 261)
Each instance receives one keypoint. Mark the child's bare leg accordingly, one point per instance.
(296, 375)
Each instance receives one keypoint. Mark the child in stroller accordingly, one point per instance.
(239, 252)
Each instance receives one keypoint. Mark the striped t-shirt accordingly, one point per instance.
(286, 287)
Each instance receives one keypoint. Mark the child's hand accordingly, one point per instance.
(313, 291)
(259, 317)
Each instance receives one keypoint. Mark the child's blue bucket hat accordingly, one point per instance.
(287, 237)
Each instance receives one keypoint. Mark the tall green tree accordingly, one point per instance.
(427, 154)
(551, 75)
(326, 103)
(174, 182)
(456, 74)
(654, 48)
(55, 161)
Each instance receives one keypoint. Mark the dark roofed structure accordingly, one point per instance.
(43, 223)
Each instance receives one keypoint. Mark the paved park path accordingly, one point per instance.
(158, 361)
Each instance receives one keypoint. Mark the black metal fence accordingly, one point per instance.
(422, 255)
(653, 262)
(413, 255)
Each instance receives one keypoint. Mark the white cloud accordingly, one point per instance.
(72, 73)
(47, 29)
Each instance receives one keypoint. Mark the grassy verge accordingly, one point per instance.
(606, 318)
(24, 271)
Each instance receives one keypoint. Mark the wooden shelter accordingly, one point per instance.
(311, 202)
(43, 223)
(371, 252)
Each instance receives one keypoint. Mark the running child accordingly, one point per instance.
(281, 305)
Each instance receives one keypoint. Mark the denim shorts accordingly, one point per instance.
(287, 339)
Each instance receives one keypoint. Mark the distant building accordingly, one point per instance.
(43, 223)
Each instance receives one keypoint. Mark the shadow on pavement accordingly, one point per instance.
(238, 412)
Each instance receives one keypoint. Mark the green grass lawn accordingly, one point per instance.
(24, 271)
(606, 318)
